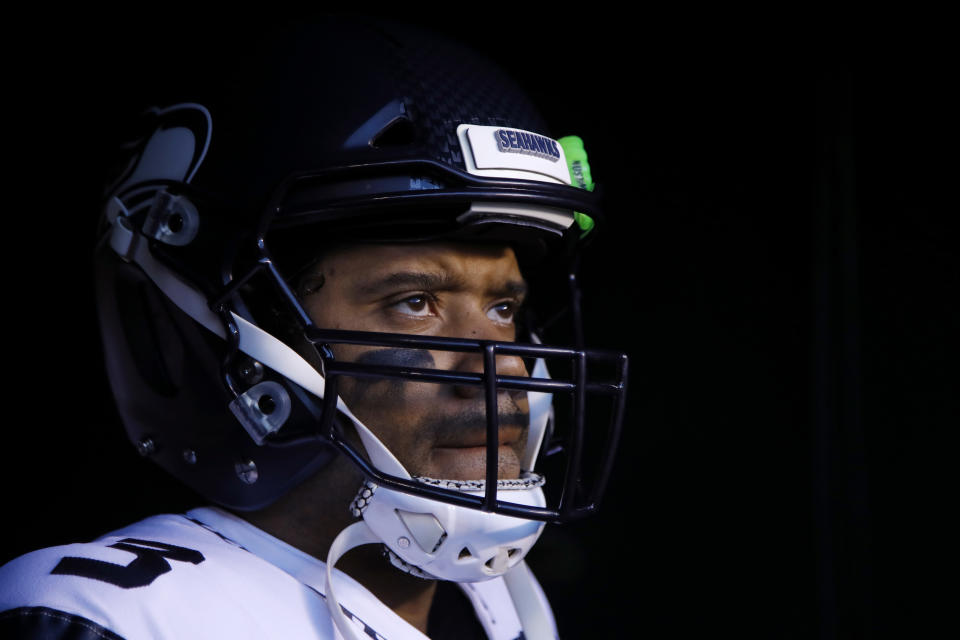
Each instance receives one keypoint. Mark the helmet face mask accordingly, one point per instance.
(215, 357)
(573, 502)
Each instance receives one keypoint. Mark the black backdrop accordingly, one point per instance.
(782, 268)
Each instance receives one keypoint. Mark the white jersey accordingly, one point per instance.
(205, 574)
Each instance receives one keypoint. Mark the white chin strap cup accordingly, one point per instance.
(435, 540)
(448, 542)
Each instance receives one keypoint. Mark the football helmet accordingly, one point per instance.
(346, 132)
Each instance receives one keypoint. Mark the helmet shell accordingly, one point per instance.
(323, 98)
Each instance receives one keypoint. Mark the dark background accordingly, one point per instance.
(781, 264)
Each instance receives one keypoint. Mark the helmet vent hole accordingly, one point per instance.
(513, 552)
(464, 554)
(398, 133)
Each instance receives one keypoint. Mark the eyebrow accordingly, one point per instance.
(430, 281)
(511, 288)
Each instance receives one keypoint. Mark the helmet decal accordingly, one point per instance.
(174, 149)
(513, 141)
(512, 153)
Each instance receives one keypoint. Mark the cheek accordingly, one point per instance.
(390, 407)
(397, 389)
(420, 358)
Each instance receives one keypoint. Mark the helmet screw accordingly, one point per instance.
(250, 371)
(403, 543)
(247, 471)
(146, 447)
(190, 456)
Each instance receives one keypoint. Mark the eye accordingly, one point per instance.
(503, 313)
(416, 305)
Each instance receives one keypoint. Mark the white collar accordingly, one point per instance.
(308, 570)
(291, 560)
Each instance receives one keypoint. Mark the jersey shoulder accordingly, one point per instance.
(128, 582)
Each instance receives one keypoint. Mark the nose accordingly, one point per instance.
(473, 363)
(479, 327)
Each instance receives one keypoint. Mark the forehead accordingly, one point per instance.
(462, 260)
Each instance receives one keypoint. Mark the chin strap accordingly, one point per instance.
(532, 608)
(355, 535)
(529, 602)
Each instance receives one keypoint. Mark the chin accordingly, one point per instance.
(470, 463)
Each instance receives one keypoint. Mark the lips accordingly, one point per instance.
(475, 439)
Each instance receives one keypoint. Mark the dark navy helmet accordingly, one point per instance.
(326, 132)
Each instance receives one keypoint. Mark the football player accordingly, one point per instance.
(326, 286)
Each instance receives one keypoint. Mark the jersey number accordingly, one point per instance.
(150, 563)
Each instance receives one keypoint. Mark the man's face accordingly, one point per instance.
(433, 289)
